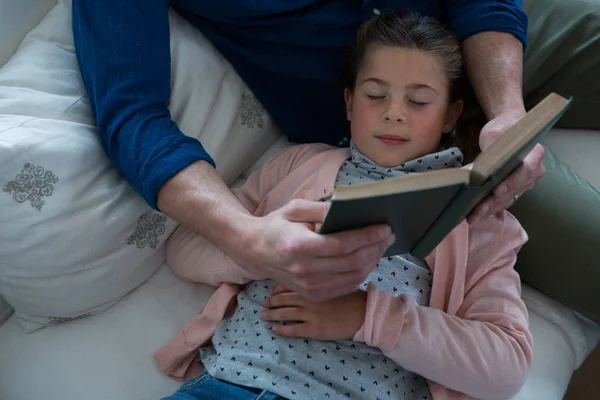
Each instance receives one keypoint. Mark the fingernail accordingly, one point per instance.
(385, 232)
(483, 212)
(391, 239)
(501, 190)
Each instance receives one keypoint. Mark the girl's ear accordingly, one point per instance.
(348, 100)
(452, 115)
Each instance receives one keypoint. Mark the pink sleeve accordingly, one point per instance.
(193, 258)
(276, 169)
(485, 349)
(178, 358)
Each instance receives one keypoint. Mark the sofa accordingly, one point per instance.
(64, 336)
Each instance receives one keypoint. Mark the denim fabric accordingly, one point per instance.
(205, 387)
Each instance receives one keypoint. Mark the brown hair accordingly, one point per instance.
(411, 30)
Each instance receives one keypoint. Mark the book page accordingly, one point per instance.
(517, 141)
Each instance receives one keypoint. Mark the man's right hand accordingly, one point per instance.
(285, 246)
(282, 245)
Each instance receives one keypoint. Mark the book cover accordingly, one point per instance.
(423, 208)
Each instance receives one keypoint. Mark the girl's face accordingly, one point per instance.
(400, 105)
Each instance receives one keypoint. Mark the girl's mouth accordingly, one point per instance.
(392, 140)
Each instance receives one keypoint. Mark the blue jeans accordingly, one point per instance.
(205, 387)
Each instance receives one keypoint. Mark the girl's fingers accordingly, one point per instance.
(279, 289)
(295, 330)
(285, 299)
(283, 314)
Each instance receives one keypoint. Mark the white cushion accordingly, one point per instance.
(15, 22)
(109, 355)
(74, 236)
(106, 356)
(17, 18)
(562, 340)
(5, 310)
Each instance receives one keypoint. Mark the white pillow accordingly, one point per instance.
(5, 310)
(16, 21)
(74, 236)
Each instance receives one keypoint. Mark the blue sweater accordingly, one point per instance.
(289, 52)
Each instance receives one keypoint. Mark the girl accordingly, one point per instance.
(444, 327)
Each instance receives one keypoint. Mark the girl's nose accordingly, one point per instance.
(393, 113)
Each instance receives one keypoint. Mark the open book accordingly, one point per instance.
(423, 208)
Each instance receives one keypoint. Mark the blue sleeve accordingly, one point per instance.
(123, 50)
(468, 17)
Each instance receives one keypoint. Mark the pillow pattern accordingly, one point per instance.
(74, 235)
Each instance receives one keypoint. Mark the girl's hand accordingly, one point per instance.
(336, 319)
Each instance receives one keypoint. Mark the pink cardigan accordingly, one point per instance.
(473, 338)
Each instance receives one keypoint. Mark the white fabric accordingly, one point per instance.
(15, 22)
(5, 310)
(17, 18)
(103, 357)
(74, 236)
(109, 355)
(562, 340)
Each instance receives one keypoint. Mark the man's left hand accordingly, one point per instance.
(336, 319)
(521, 180)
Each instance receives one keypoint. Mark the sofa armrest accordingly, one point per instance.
(579, 150)
(562, 217)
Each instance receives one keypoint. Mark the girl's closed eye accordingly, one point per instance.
(418, 103)
(375, 97)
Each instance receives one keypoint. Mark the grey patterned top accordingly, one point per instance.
(245, 351)
(361, 169)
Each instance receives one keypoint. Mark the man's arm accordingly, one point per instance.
(282, 245)
(123, 50)
(496, 35)
(494, 63)
(191, 256)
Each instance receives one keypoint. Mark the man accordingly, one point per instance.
(290, 54)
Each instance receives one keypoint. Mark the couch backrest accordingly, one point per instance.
(579, 150)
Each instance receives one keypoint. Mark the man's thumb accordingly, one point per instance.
(300, 210)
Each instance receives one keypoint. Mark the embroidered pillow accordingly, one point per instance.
(74, 236)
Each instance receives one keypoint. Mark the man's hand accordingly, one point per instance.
(337, 319)
(521, 180)
(285, 247)
(494, 64)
